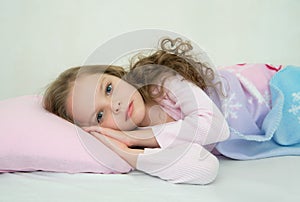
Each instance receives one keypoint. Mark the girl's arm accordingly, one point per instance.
(201, 121)
(186, 163)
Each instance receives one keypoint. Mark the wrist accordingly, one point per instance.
(131, 155)
(142, 138)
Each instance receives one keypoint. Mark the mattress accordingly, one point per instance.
(271, 179)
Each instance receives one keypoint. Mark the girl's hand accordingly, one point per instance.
(136, 138)
(128, 154)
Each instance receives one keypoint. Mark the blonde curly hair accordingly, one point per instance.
(173, 57)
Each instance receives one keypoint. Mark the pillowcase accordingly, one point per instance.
(32, 139)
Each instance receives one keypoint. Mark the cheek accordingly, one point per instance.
(125, 91)
(139, 111)
(110, 122)
(117, 122)
(123, 125)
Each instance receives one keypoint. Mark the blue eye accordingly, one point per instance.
(108, 89)
(99, 117)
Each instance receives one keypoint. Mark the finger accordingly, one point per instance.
(99, 136)
(115, 134)
(88, 128)
(93, 128)
(96, 134)
(109, 142)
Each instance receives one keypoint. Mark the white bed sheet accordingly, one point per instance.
(273, 179)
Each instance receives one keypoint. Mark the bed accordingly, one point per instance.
(272, 179)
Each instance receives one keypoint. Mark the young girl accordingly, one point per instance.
(163, 116)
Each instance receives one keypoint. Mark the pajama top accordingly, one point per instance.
(205, 120)
(184, 156)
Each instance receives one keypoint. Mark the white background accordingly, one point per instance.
(39, 39)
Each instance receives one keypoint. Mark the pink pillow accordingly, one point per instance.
(33, 139)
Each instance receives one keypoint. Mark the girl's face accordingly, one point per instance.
(105, 100)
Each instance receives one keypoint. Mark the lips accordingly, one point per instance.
(129, 110)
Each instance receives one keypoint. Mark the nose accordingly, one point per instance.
(116, 106)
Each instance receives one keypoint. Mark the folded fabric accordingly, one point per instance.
(279, 133)
(33, 139)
